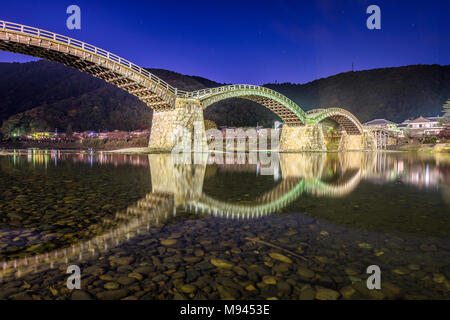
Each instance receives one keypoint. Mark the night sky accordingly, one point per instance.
(252, 42)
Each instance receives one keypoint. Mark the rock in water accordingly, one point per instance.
(219, 263)
(280, 257)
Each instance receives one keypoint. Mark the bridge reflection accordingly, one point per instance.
(178, 185)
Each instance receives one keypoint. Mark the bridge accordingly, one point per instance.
(384, 137)
(177, 114)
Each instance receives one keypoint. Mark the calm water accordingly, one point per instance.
(146, 227)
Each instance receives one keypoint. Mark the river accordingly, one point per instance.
(298, 226)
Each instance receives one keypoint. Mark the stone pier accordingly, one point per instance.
(361, 142)
(181, 128)
(302, 138)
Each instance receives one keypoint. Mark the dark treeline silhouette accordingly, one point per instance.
(43, 95)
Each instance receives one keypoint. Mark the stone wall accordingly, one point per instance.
(303, 138)
(363, 142)
(181, 128)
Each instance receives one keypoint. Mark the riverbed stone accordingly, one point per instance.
(280, 257)
(168, 242)
(188, 288)
(125, 281)
(220, 263)
(348, 292)
(136, 276)
(111, 285)
(305, 273)
(307, 293)
(112, 294)
(326, 294)
(269, 280)
(80, 295)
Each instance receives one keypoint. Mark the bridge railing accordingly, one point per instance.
(205, 92)
(315, 111)
(43, 34)
(328, 111)
(389, 130)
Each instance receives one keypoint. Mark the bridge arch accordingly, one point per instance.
(153, 91)
(285, 108)
(344, 118)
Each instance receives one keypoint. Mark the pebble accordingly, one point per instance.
(326, 294)
(438, 278)
(364, 245)
(307, 293)
(401, 271)
(168, 242)
(125, 281)
(269, 280)
(187, 288)
(280, 257)
(347, 292)
(250, 287)
(112, 294)
(219, 263)
(80, 295)
(136, 276)
(306, 273)
(111, 285)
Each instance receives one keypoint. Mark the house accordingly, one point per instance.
(423, 126)
(379, 123)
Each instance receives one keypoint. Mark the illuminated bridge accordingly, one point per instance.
(177, 112)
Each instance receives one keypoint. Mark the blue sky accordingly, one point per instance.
(252, 42)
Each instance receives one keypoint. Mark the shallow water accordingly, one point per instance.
(145, 227)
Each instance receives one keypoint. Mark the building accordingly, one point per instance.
(383, 123)
(423, 126)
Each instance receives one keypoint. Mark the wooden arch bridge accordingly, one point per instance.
(175, 112)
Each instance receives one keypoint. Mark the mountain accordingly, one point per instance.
(395, 94)
(43, 95)
(46, 95)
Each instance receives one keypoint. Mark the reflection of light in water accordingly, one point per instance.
(292, 186)
(383, 168)
(276, 173)
(125, 225)
(401, 166)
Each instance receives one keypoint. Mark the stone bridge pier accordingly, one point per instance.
(359, 142)
(302, 138)
(180, 128)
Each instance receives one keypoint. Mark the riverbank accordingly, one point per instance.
(428, 148)
(96, 144)
(139, 146)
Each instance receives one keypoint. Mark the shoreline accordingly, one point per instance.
(7, 148)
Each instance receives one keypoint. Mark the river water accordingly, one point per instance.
(299, 226)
